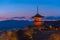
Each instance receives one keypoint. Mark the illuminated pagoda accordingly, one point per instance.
(38, 20)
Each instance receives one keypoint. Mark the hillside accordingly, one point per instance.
(15, 24)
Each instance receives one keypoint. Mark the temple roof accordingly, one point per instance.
(38, 15)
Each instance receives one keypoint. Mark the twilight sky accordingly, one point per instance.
(14, 8)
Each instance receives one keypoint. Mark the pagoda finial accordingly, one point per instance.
(37, 10)
(37, 6)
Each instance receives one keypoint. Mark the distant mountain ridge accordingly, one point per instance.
(16, 24)
(52, 18)
(13, 24)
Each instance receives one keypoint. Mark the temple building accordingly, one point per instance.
(38, 21)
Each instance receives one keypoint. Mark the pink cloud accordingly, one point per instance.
(13, 18)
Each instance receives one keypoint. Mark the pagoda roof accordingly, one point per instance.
(38, 15)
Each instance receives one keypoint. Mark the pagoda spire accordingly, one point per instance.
(37, 10)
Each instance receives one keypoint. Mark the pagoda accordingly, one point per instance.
(38, 22)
